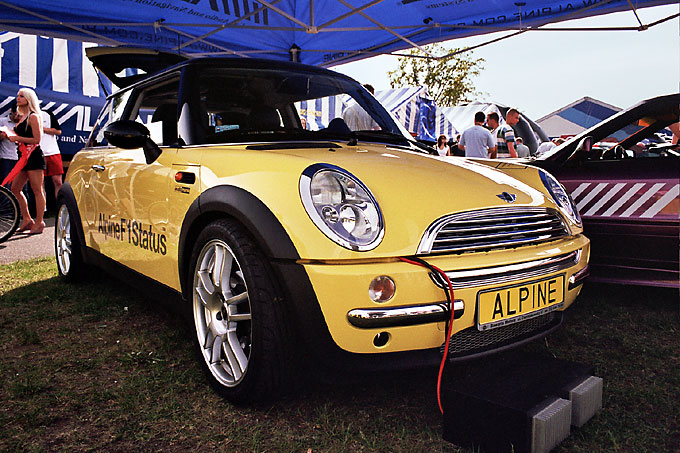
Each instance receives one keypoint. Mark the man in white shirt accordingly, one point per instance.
(504, 134)
(50, 148)
(8, 149)
(356, 118)
(477, 141)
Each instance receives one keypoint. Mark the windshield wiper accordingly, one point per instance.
(378, 135)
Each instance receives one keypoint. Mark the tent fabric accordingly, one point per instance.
(64, 80)
(419, 114)
(576, 117)
(411, 106)
(53, 64)
(317, 32)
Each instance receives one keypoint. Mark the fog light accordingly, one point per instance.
(381, 289)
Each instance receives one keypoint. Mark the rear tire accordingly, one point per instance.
(242, 337)
(9, 214)
(67, 247)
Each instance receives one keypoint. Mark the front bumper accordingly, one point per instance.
(415, 318)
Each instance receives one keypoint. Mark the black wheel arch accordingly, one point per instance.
(241, 205)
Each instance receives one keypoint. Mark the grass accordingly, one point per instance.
(94, 366)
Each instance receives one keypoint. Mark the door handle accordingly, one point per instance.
(98, 168)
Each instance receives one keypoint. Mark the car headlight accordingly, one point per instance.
(342, 207)
(561, 197)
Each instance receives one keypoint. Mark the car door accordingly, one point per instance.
(144, 234)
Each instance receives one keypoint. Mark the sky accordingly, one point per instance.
(541, 72)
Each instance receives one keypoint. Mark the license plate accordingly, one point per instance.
(502, 306)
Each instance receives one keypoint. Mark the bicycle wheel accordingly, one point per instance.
(9, 213)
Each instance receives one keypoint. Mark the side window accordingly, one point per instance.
(156, 107)
(112, 111)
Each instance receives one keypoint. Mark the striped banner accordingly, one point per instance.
(643, 200)
(49, 63)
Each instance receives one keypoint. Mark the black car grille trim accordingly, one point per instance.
(472, 342)
(507, 273)
(491, 229)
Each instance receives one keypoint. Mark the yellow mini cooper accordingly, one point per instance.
(291, 216)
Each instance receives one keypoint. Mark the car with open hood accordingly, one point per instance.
(283, 239)
(624, 175)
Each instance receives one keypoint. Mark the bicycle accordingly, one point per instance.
(9, 213)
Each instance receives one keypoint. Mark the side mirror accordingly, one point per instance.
(128, 134)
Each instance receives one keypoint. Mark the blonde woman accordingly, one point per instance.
(29, 131)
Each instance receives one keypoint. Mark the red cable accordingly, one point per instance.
(450, 329)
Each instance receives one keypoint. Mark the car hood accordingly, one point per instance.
(412, 189)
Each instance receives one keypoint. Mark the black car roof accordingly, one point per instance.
(112, 61)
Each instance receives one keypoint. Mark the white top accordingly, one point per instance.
(358, 119)
(544, 147)
(8, 150)
(48, 142)
(442, 151)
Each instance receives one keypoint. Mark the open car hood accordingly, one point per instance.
(113, 62)
(664, 109)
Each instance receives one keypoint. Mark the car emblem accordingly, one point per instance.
(509, 197)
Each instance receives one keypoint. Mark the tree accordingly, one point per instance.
(448, 77)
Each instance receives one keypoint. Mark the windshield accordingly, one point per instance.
(256, 105)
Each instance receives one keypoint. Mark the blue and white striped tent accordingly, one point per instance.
(62, 76)
(411, 106)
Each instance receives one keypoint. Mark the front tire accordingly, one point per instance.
(242, 336)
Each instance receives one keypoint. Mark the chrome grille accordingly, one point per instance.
(472, 341)
(490, 229)
(507, 273)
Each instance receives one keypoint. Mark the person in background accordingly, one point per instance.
(547, 146)
(521, 148)
(504, 135)
(477, 141)
(29, 132)
(544, 147)
(442, 147)
(8, 149)
(356, 118)
(50, 149)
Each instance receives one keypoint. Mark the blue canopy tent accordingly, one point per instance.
(321, 32)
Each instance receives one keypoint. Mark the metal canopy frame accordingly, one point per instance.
(367, 18)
